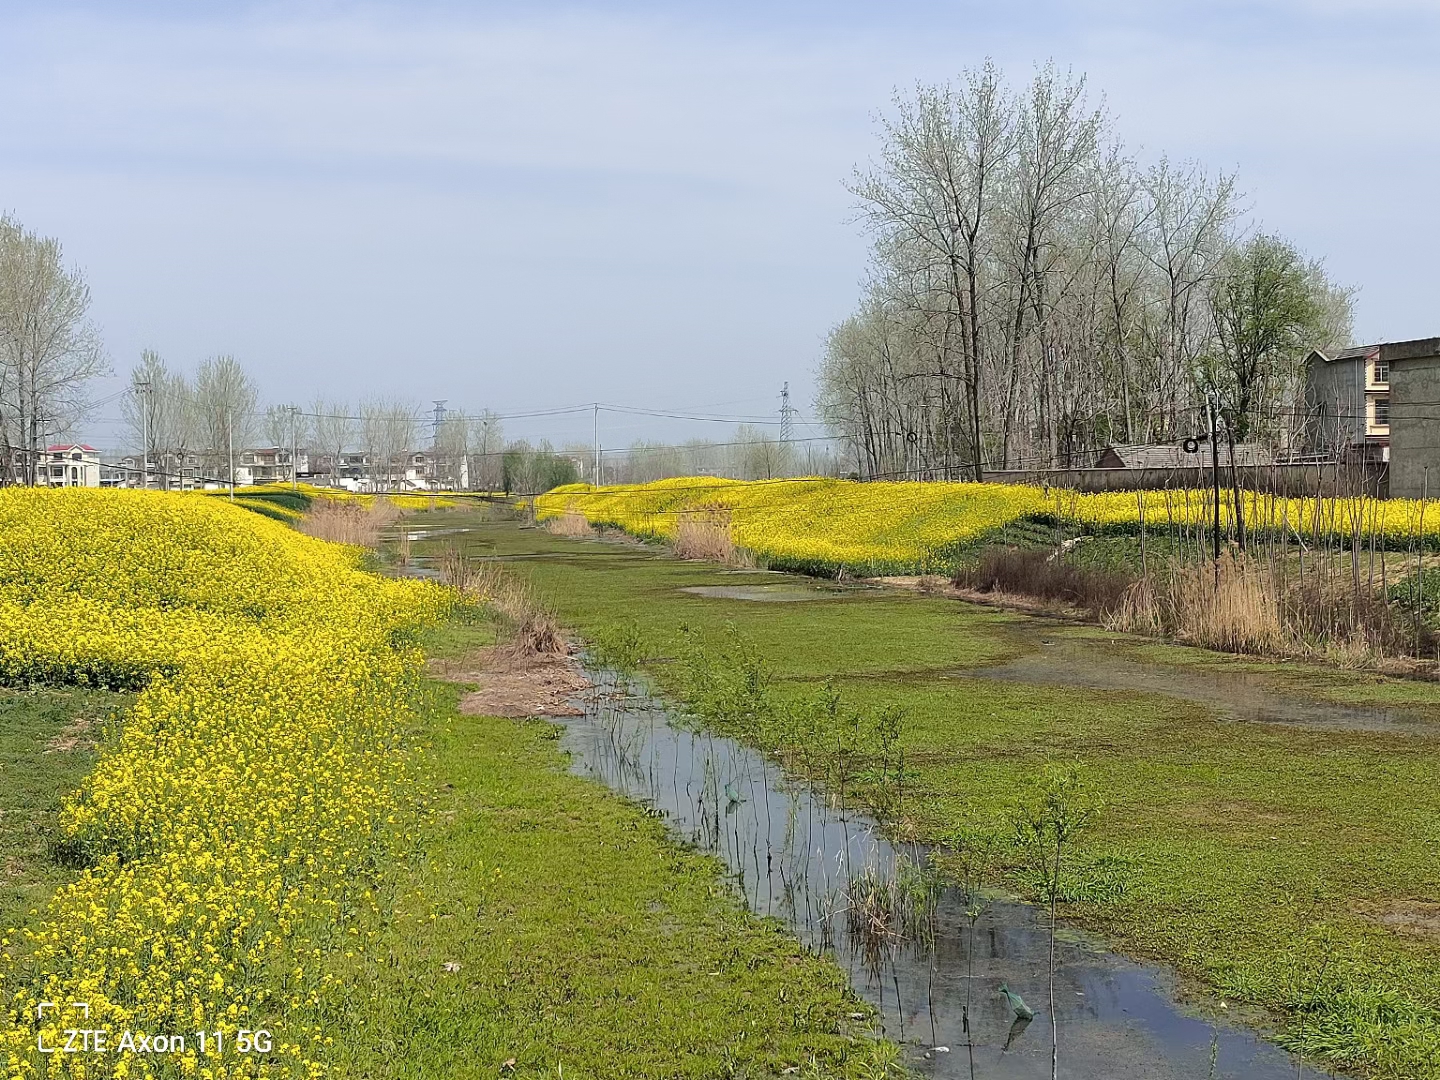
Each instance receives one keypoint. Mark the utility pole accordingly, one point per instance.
(435, 441)
(143, 389)
(1212, 406)
(787, 413)
(294, 449)
(230, 448)
(595, 447)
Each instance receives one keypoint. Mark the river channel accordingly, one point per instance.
(793, 855)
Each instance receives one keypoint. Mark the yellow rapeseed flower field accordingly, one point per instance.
(911, 526)
(229, 828)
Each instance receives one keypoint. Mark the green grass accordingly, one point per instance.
(47, 745)
(545, 922)
(1252, 857)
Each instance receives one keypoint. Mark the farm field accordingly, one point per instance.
(818, 526)
(286, 834)
(1292, 866)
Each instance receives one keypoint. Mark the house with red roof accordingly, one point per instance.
(70, 465)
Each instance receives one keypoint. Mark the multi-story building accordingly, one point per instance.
(70, 465)
(1381, 403)
(1348, 398)
(271, 464)
(168, 470)
(409, 470)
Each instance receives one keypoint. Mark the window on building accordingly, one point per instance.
(1382, 410)
(77, 457)
(75, 473)
(58, 472)
(1382, 373)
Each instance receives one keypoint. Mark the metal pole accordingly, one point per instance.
(294, 450)
(144, 388)
(595, 447)
(230, 444)
(1213, 407)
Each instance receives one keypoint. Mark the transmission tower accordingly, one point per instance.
(439, 419)
(787, 414)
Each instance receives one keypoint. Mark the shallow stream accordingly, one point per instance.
(793, 857)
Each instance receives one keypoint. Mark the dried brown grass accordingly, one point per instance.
(571, 524)
(1231, 606)
(705, 534)
(349, 522)
(1046, 576)
(527, 629)
(1242, 605)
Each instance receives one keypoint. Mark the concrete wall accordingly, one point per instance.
(1326, 479)
(1415, 423)
(1335, 398)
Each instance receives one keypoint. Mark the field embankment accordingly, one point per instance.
(871, 529)
(1352, 580)
(233, 824)
(285, 836)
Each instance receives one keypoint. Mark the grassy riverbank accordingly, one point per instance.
(545, 928)
(1296, 868)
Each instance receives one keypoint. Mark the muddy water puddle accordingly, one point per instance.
(1058, 660)
(793, 857)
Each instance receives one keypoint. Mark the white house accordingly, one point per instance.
(71, 465)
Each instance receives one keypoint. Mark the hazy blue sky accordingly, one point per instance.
(521, 205)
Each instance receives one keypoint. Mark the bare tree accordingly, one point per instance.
(452, 450)
(758, 455)
(334, 429)
(158, 410)
(225, 401)
(1033, 294)
(487, 445)
(931, 204)
(387, 430)
(49, 351)
(283, 425)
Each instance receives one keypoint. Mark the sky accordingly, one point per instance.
(519, 206)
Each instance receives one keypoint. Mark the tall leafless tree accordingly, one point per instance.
(225, 406)
(1033, 294)
(49, 350)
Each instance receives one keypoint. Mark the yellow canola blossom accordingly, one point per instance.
(818, 524)
(229, 827)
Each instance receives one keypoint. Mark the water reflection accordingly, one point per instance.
(793, 857)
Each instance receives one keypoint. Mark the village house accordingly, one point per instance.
(1380, 405)
(70, 465)
(270, 465)
(168, 470)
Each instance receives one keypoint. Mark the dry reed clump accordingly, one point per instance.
(705, 534)
(1046, 576)
(1231, 606)
(528, 630)
(1242, 605)
(349, 522)
(572, 524)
